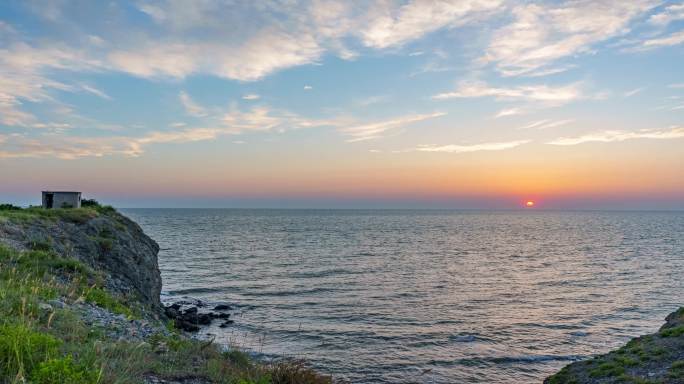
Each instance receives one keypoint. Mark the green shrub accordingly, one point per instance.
(105, 244)
(296, 372)
(63, 370)
(85, 203)
(22, 349)
(673, 332)
(106, 209)
(9, 207)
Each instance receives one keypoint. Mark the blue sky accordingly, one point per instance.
(279, 103)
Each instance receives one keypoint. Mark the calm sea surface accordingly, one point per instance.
(426, 296)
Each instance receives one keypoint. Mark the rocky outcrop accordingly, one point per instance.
(190, 315)
(650, 359)
(102, 239)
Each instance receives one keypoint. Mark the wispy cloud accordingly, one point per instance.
(675, 38)
(674, 132)
(251, 96)
(308, 87)
(509, 112)
(456, 148)
(375, 130)
(669, 14)
(633, 92)
(388, 27)
(546, 124)
(92, 90)
(371, 100)
(541, 34)
(676, 85)
(191, 107)
(534, 93)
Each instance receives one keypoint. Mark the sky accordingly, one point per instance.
(344, 104)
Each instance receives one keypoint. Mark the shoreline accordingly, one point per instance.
(648, 359)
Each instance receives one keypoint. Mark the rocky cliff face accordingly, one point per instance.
(103, 239)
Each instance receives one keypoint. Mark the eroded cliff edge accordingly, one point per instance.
(649, 359)
(101, 238)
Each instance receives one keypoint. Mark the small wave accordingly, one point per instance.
(290, 293)
(326, 273)
(189, 291)
(466, 338)
(522, 359)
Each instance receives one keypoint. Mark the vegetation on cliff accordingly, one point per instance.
(48, 335)
(650, 359)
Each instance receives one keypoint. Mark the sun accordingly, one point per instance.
(529, 204)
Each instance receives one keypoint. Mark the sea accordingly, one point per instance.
(425, 296)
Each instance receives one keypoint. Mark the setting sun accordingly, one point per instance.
(529, 204)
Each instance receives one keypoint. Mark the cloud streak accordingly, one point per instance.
(531, 93)
(675, 132)
(376, 130)
(672, 39)
(457, 148)
(191, 107)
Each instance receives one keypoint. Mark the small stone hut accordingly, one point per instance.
(61, 199)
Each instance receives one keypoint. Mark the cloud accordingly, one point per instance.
(533, 93)
(393, 27)
(546, 124)
(66, 148)
(375, 130)
(24, 77)
(11, 114)
(674, 132)
(673, 39)
(455, 148)
(371, 100)
(509, 112)
(191, 107)
(676, 86)
(671, 13)
(541, 34)
(251, 96)
(308, 87)
(633, 92)
(235, 121)
(92, 90)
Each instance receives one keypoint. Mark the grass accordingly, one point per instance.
(631, 363)
(90, 209)
(56, 346)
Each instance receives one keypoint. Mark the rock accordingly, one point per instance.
(171, 312)
(222, 307)
(45, 307)
(56, 303)
(190, 311)
(226, 323)
(186, 326)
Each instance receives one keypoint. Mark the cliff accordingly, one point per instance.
(650, 359)
(100, 238)
(79, 304)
